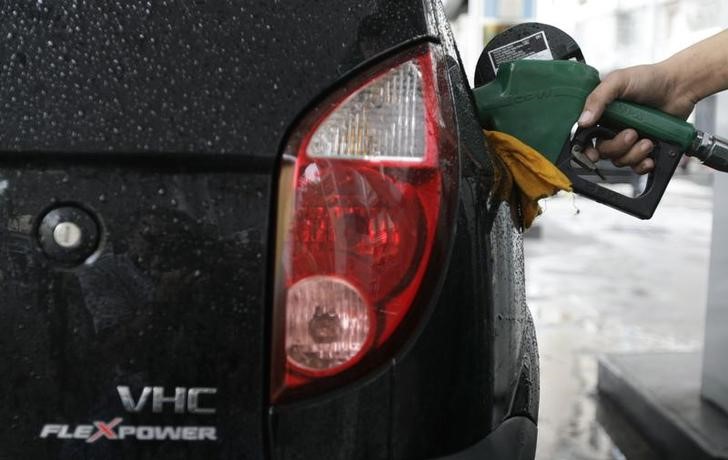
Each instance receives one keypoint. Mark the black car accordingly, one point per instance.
(253, 230)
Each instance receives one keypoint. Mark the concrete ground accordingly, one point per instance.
(600, 281)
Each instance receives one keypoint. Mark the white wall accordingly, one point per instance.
(615, 34)
(612, 34)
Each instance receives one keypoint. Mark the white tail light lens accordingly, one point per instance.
(359, 212)
(384, 120)
(328, 323)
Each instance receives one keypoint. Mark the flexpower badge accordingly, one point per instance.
(184, 400)
(116, 431)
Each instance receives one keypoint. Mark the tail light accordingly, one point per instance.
(366, 186)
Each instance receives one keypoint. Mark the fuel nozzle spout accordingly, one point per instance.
(711, 150)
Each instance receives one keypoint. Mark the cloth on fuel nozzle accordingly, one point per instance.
(534, 176)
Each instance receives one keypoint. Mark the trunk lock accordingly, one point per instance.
(68, 234)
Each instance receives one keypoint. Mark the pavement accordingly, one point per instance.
(599, 281)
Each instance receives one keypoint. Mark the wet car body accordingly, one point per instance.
(166, 124)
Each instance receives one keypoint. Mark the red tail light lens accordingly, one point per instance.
(362, 189)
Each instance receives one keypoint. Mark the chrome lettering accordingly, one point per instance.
(128, 401)
(193, 400)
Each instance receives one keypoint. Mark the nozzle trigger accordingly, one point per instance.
(580, 138)
(578, 155)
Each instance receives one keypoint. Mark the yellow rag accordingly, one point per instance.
(535, 176)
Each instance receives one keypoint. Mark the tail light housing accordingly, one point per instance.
(367, 188)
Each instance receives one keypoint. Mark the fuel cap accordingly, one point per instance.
(68, 234)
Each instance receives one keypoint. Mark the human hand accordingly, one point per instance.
(652, 85)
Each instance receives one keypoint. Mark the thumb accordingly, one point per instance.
(607, 91)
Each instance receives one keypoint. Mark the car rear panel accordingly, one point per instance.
(173, 299)
(164, 123)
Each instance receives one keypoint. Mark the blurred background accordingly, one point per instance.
(598, 281)
(612, 34)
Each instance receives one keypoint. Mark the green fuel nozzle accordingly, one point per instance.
(660, 126)
(539, 103)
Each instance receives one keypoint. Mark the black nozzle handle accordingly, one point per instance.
(666, 156)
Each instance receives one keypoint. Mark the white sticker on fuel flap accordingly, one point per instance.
(532, 47)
